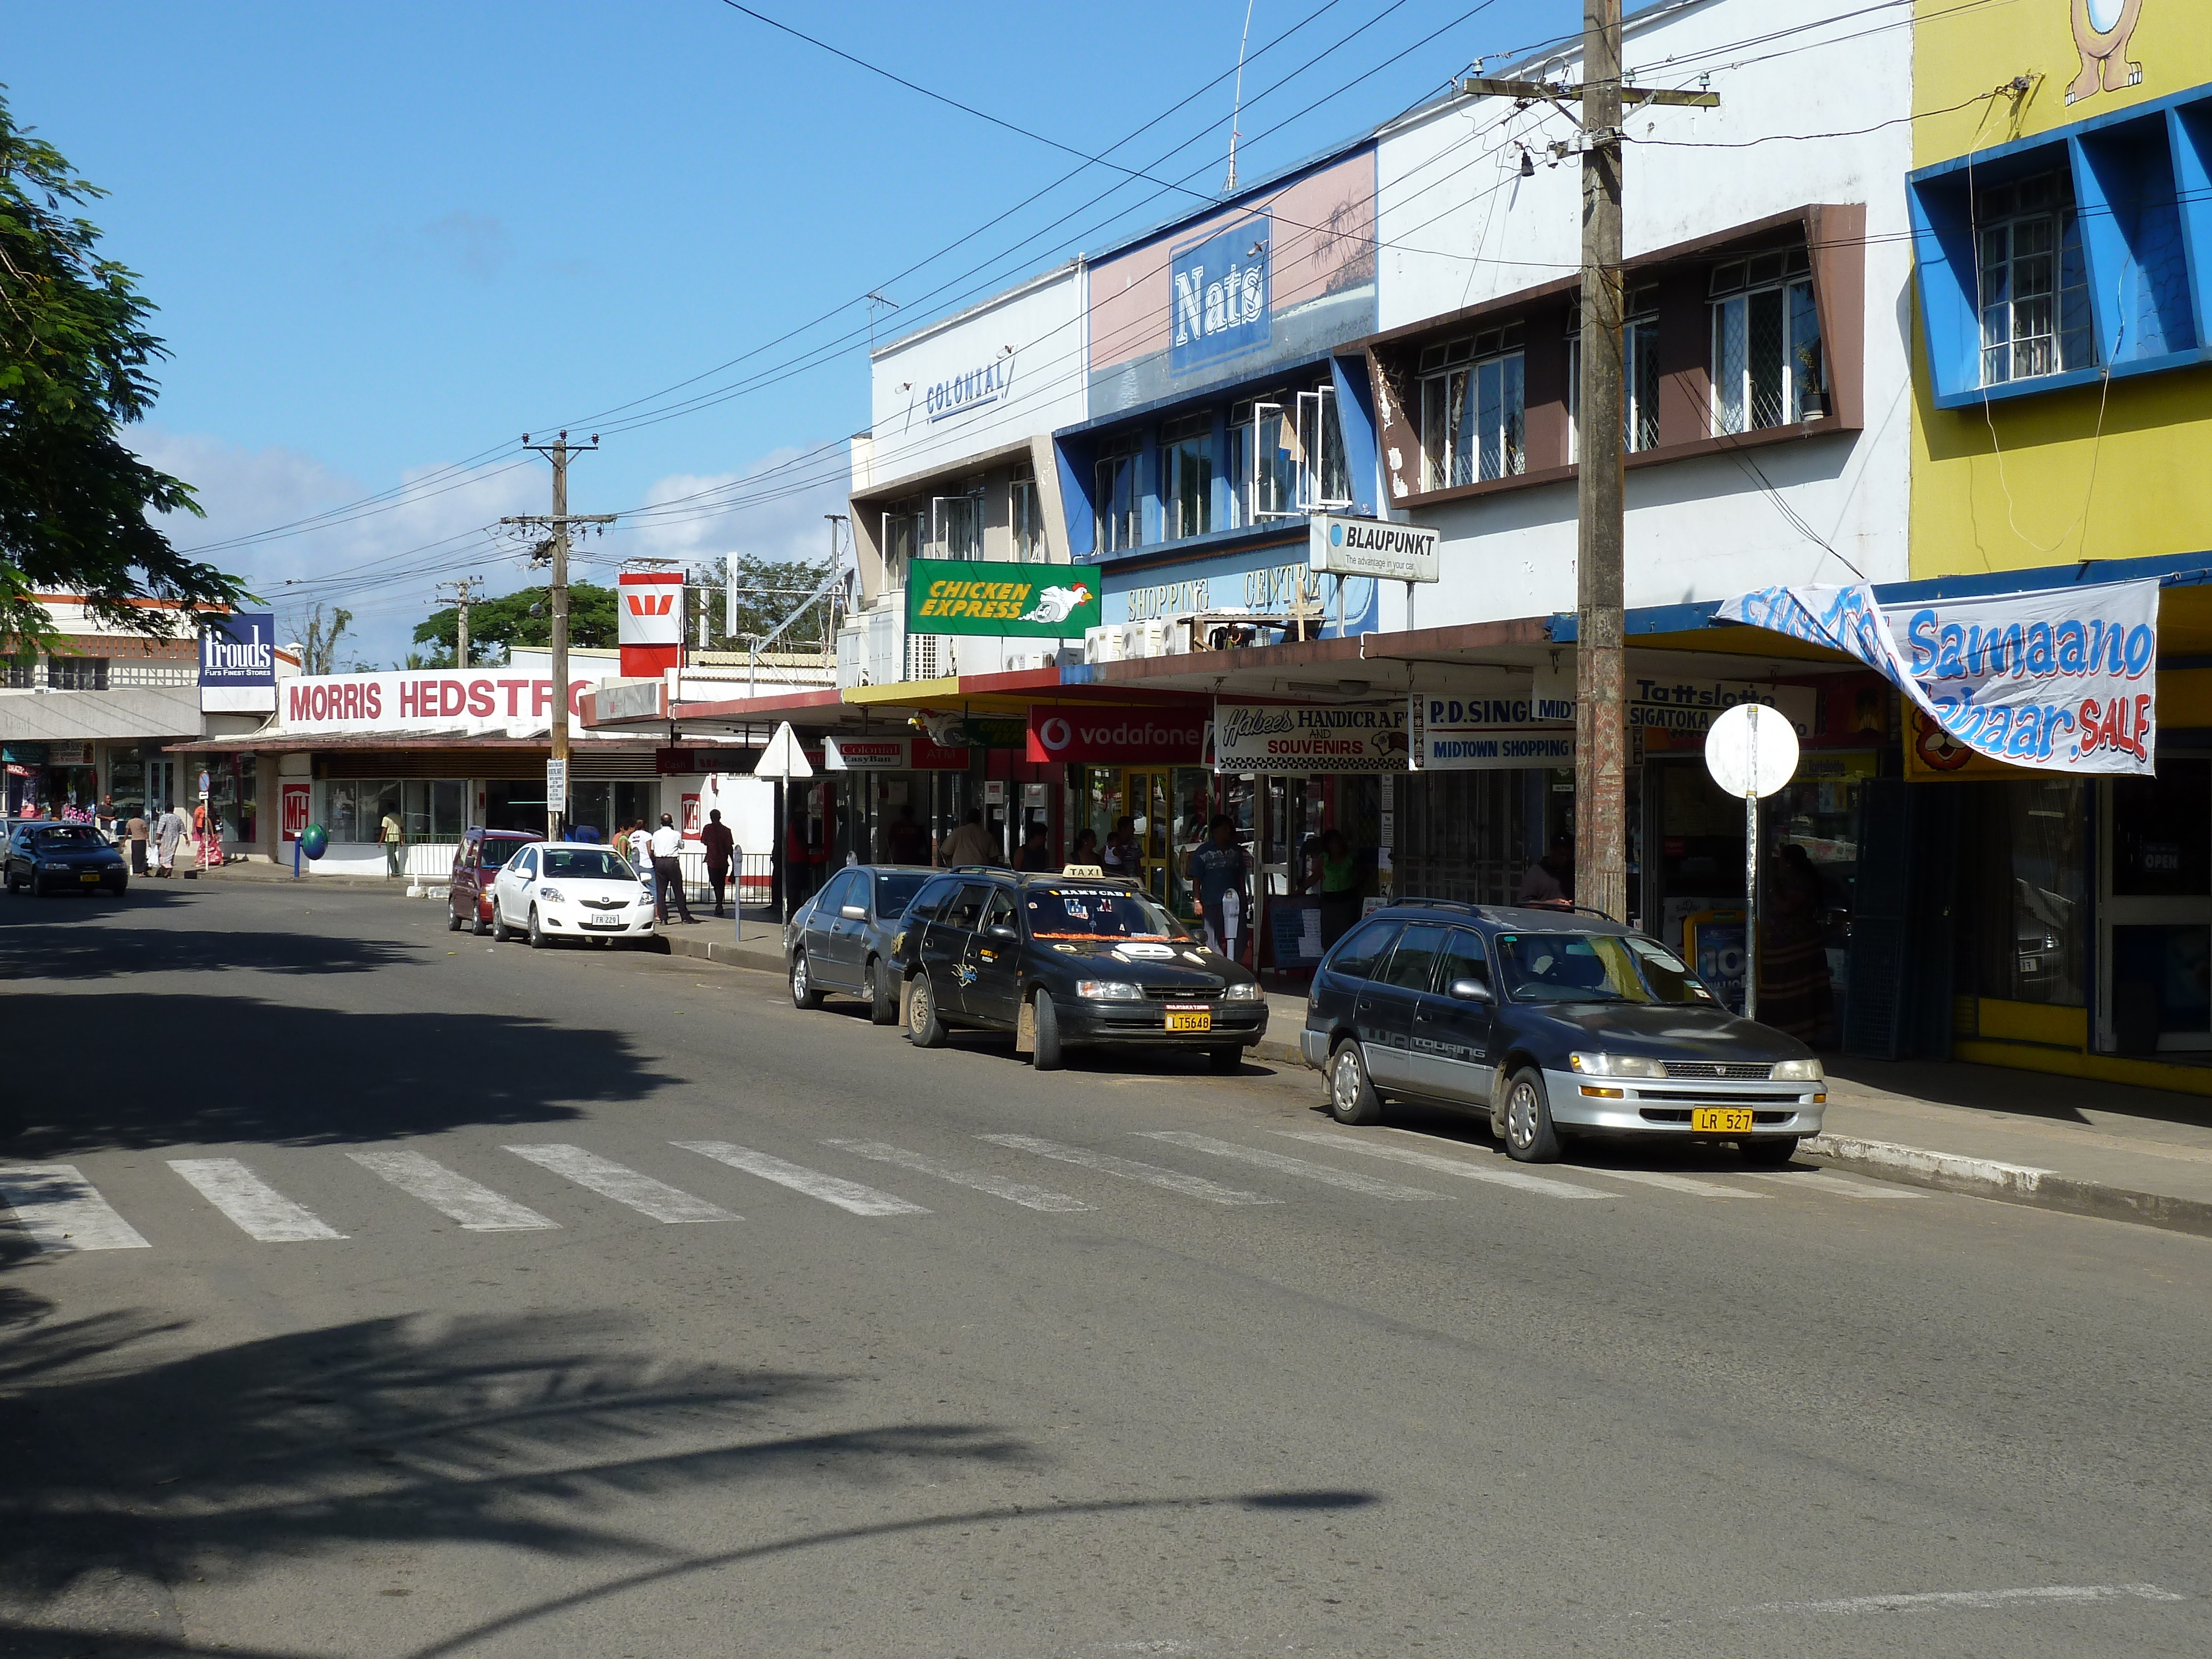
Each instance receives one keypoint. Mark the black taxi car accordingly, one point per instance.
(1554, 1024)
(1063, 961)
(46, 856)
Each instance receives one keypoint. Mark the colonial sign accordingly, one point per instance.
(1121, 737)
(2059, 680)
(1308, 737)
(976, 596)
(1219, 301)
(863, 753)
(985, 384)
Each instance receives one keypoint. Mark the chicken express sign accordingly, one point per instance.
(973, 596)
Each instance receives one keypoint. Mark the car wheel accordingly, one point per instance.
(453, 919)
(500, 932)
(1352, 1097)
(1768, 1153)
(882, 995)
(923, 1028)
(538, 939)
(1228, 1059)
(1047, 1055)
(803, 995)
(1529, 1136)
(479, 927)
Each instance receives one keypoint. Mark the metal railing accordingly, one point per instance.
(431, 862)
(99, 674)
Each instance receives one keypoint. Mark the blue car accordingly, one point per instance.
(46, 857)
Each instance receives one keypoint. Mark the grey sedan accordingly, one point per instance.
(838, 941)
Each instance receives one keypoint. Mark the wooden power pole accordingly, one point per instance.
(1601, 732)
(555, 527)
(465, 595)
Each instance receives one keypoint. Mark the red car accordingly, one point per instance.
(476, 866)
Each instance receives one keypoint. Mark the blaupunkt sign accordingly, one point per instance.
(973, 596)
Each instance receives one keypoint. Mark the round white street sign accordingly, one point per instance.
(1752, 749)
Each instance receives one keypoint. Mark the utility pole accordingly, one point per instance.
(555, 526)
(1601, 671)
(829, 599)
(465, 595)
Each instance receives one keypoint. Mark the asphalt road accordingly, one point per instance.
(1182, 1368)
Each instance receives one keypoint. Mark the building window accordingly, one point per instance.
(77, 673)
(1473, 411)
(904, 532)
(1639, 383)
(22, 670)
(1187, 476)
(1237, 460)
(956, 525)
(1025, 519)
(1119, 508)
(1767, 340)
(1324, 476)
(2034, 286)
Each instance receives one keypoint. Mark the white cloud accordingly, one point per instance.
(475, 243)
(771, 509)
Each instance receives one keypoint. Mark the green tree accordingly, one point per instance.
(768, 592)
(74, 355)
(318, 640)
(523, 618)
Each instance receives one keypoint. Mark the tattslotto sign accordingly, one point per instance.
(975, 596)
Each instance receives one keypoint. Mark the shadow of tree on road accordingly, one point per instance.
(531, 1434)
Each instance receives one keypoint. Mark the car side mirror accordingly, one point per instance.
(1468, 990)
(855, 912)
(1002, 931)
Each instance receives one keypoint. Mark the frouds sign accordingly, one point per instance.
(2059, 680)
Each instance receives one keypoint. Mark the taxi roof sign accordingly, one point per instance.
(1083, 870)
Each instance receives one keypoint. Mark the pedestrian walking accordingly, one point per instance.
(395, 840)
(800, 860)
(970, 844)
(720, 847)
(1036, 857)
(1217, 867)
(167, 834)
(668, 871)
(105, 817)
(136, 831)
(639, 844)
(1086, 850)
(909, 842)
(1121, 856)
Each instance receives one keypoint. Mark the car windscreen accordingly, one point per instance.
(895, 892)
(1592, 968)
(68, 837)
(491, 854)
(1078, 911)
(586, 863)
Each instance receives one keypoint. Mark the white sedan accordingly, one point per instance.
(555, 889)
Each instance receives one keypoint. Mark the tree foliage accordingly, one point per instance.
(768, 592)
(318, 640)
(523, 618)
(74, 357)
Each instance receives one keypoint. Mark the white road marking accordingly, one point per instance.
(1672, 1183)
(1351, 1182)
(478, 1209)
(58, 1208)
(1173, 1181)
(845, 1194)
(1017, 1191)
(1818, 1180)
(259, 1208)
(1515, 1178)
(1995, 1598)
(625, 1186)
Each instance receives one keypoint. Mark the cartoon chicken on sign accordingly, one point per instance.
(1056, 605)
(2102, 29)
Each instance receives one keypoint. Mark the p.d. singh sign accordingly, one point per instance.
(976, 596)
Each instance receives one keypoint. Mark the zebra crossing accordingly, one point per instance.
(55, 1208)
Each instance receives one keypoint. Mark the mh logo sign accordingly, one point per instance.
(1220, 301)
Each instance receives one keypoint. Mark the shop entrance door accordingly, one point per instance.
(161, 785)
(1146, 798)
(2154, 993)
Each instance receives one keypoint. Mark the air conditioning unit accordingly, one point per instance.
(1103, 644)
(1148, 638)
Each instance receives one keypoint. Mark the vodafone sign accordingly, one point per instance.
(1118, 736)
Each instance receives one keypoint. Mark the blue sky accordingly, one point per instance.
(387, 241)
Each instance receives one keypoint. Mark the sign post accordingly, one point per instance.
(556, 789)
(1751, 751)
(783, 760)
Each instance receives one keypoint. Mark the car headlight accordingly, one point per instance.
(1240, 993)
(1616, 1066)
(1107, 990)
(1799, 1071)
(550, 894)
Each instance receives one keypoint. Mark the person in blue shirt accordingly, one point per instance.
(1215, 867)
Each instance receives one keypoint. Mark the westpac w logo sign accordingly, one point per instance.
(1220, 298)
(650, 604)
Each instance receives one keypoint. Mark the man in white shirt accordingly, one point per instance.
(668, 871)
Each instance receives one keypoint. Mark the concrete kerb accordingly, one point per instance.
(1916, 1166)
(2010, 1183)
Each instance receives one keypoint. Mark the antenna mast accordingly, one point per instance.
(1237, 109)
